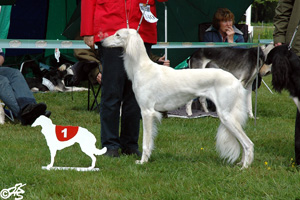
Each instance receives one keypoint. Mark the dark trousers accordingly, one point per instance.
(297, 138)
(116, 92)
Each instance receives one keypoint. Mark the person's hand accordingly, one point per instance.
(89, 40)
(99, 77)
(277, 44)
(163, 60)
(230, 34)
(1, 60)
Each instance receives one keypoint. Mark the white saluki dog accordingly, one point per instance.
(158, 88)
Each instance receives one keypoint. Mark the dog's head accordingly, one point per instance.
(280, 62)
(42, 121)
(128, 39)
(266, 68)
(120, 38)
(274, 55)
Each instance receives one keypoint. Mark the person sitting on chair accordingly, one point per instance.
(16, 95)
(222, 28)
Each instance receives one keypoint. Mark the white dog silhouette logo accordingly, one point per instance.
(60, 137)
(16, 191)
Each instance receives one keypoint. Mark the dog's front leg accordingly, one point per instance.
(249, 102)
(148, 136)
(52, 153)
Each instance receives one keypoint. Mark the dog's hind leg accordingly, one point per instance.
(236, 130)
(233, 114)
(203, 103)
(149, 133)
(188, 108)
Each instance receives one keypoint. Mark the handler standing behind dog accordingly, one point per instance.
(100, 19)
(287, 16)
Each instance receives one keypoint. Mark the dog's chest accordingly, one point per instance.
(65, 133)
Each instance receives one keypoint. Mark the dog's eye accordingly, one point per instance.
(117, 35)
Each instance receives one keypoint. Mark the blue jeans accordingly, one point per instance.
(14, 91)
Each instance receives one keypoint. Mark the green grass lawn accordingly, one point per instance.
(184, 164)
(264, 32)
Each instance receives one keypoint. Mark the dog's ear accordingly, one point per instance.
(280, 71)
(133, 45)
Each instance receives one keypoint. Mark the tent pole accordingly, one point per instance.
(166, 30)
(256, 85)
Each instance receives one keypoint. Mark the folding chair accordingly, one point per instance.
(95, 95)
(81, 70)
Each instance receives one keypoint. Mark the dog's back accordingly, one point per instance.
(238, 61)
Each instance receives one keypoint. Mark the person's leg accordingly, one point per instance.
(111, 96)
(297, 138)
(18, 97)
(7, 95)
(130, 121)
(21, 91)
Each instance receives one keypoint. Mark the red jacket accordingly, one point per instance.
(103, 18)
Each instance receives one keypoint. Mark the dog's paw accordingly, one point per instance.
(252, 117)
(142, 161)
(244, 167)
(189, 112)
(240, 163)
(138, 162)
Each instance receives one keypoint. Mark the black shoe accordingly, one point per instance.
(112, 153)
(32, 111)
(131, 152)
(47, 113)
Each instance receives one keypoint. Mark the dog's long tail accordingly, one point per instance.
(99, 152)
(231, 128)
(227, 145)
